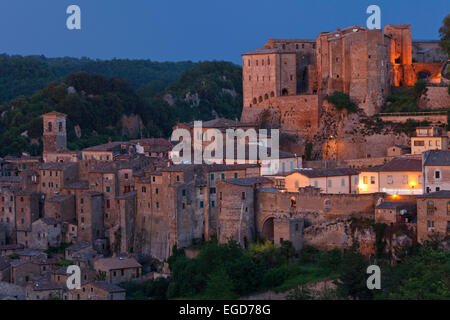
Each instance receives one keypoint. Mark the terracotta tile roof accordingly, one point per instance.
(249, 181)
(403, 164)
(55, 113)
(108, 287)
(118, 263)
(318, 173)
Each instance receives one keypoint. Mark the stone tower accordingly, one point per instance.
(55, 136)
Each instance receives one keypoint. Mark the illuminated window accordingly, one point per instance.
(430, 207)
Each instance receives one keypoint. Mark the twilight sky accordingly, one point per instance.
(174, 30)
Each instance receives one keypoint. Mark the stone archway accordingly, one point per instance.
(267, 229)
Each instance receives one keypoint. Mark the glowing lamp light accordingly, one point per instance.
(395, 196)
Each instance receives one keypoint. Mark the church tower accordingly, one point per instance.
(55, 136)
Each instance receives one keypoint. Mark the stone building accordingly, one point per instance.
(96, 290)
(55, 134)
(433, 215)
(394, 212)
(400, 176)
(237, 206)
(429, 138)
(90, 216)
(286, 80)
(436, 170)
(119, 269)
(28, 210)
(55, 176)
(340, 180)
(178, 205)
(45, 233)
(44, 289)
(60, 207)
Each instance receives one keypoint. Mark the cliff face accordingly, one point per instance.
(342, 233)
(343, 135)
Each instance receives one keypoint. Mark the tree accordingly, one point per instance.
(352, 282)
(220, 286)
(444, 33)
(100, 276)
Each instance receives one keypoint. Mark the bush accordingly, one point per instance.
(342, 101)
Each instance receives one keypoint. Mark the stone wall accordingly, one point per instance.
(435, 98)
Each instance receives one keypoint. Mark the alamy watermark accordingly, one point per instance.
(227, 147)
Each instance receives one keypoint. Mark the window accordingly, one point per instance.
(49, 127)
(178, 178)
(60, 125)
(222, 176)
(330, 183)
(437, 174)
(183, 192)
(212, 190)
(243, 196)
(365, 179)
(419, 143)
(235, 175)
(342, 182)
(405, 179)
(144, 189)
(438, 189)
(327, 204)
(157, 205)
(108, 189)
(212, 176)
(372, 180)
(390, 180)
(213, 204)
(156, 190)
(201, 204)
(316, 184)
(438, 143)
(430, 207)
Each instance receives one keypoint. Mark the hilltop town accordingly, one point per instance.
(121, 210)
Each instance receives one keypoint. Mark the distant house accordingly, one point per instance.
(400, 176)
(45, 233)
(119, 269)
(44, 289)
(98, 290)
(394, 212)
(433, 215)
(429, 138)
(398, 150)
(436, 170)
(341, 180)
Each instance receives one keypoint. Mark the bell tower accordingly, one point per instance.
(55, 136)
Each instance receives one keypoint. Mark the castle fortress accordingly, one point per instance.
(291, 78)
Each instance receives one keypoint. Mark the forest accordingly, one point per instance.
(96, 94)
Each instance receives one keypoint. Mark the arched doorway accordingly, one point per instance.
(284, 92)
(267, 229)
(423, 75)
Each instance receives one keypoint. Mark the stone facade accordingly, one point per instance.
(433, 215)
(55, 134)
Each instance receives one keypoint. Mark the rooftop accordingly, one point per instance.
(117, 263)
(436, 158)
(249, 181)
(318, 173)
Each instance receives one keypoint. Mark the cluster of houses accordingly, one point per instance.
(105, 207)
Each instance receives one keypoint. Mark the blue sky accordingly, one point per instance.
(175, 30)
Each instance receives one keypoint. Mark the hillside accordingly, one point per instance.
(97, 105)
(25, 75)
